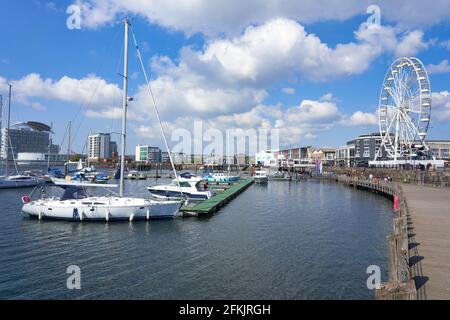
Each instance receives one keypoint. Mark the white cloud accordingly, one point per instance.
(213, 17)
(90, 90)
(288, 90)
(410, 44)
(445, 44)
(441, 105)
(294, 123)
(146, 132)
(442, 67)
(178, 97)
(282, 49)
(38, 106)
(361, 119)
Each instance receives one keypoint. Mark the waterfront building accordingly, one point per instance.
(268, 158)
(182, 158)
(366, 147)
(242, 159)
(325, 155)
(27, 137)
(99, 146)
(113, 149)
(440, 149)
(165, 157)
(36, 157)
(296, 157)
(148, 154)
(196, 159)
(345, 155)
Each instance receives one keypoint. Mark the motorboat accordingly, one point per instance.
(90, 176)
(135, 175)
(283, 176)
(220, 177)
(75, 204)
(20, 181)
(260, 176)
(185, 186)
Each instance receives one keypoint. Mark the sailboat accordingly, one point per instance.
(77, 205)
(19, 180)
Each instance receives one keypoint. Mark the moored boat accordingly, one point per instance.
(75, 204)
(220, 177)
(185, 186)
(20, 181)
(260, 176)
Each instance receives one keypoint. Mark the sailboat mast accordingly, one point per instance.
(69, 142)
(50, 142)
(1, 117)
(7, 132)
(124, 106)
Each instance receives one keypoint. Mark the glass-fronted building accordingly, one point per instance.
(148, 154)
(99, 146)
(27, 137)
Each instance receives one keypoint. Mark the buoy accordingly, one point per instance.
(395, 203)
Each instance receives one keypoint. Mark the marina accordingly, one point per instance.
(224, 151)
(238, 253)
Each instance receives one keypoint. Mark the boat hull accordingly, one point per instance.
(261, 180)
(9, 184)
(222, 179)
(170, 194)
(79, 211)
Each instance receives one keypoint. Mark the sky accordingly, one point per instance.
(313, 69)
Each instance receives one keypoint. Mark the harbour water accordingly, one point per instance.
(285, 240)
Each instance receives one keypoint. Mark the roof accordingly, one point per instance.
(33, 125)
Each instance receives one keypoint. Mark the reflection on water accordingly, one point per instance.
(284, 240)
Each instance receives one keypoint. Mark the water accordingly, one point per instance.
(287, 240)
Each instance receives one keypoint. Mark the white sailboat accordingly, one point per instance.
(15, 181)
(76, 204)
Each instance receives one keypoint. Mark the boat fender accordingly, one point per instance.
(132, 217)
(25, 199)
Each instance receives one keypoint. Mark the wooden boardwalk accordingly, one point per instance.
(429, 239)
(419, 248)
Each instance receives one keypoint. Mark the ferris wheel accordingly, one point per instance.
(405, 109)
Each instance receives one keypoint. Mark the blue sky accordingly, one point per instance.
(222, 62)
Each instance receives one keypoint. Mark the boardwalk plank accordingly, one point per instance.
(429, 209)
